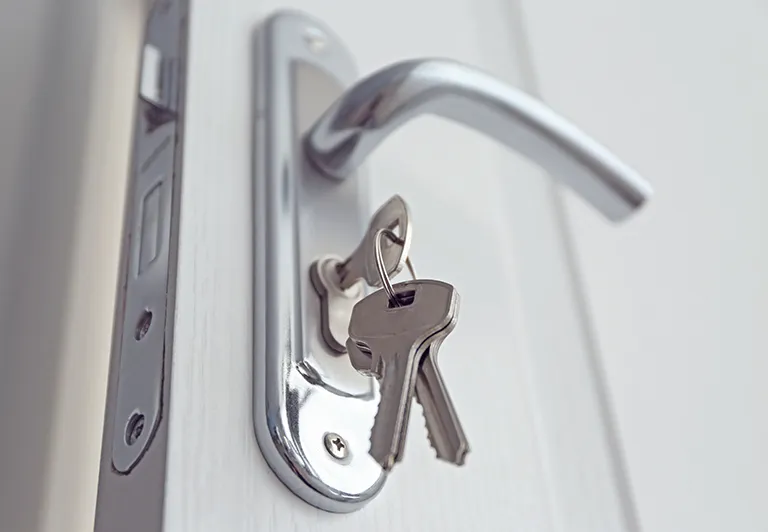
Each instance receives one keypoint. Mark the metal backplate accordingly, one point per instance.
(302, 389)
(145, 342)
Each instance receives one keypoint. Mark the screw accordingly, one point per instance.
(134, 428)
(142, 327)
(315, 39)
(336, 445)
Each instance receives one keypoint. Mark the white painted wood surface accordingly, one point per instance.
(518, 364)
(679, 297)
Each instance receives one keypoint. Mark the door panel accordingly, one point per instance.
(679, 297)
(518, 365)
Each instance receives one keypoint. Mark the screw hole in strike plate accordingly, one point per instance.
(134, 428)
(315, 39)
(389, 242)
(404, 298)
(142, 326)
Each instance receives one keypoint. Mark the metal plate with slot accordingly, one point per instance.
(312, 410)
(144, 335)
(132, 475)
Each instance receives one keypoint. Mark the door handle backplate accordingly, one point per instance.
(312, 412)
(315, 120)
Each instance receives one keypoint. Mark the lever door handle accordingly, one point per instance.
(305, 402)
(377, 105)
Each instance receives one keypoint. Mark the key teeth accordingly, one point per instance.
(388, 462)
(431, 439)
(461, 456)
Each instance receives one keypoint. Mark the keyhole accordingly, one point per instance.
(404, 299)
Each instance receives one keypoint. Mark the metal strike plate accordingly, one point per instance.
(145, 344)
(312, 411)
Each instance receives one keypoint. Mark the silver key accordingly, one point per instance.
(443, 426)
(338, 283)
(394, 214)
(396, 338)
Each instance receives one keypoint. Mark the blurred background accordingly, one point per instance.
(677, 298)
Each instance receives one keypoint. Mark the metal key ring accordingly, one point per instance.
(382, 269)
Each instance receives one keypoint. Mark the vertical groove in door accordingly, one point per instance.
(614, 449)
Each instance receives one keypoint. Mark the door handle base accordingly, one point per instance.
(312, 413)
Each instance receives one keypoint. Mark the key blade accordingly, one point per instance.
(444, 429)
(391, 423)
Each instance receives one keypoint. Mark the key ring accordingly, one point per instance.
(381, 268)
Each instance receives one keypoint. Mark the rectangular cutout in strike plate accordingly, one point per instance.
(151, 85)
(151, 228)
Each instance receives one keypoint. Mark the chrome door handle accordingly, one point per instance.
(374, 107)
(306, 400)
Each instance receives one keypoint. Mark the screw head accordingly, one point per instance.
(316, 40)
(336, 445)
(142, 327)
(134, 428)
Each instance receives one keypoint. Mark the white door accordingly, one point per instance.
(678, 299)
(544, 456)
(565, 318)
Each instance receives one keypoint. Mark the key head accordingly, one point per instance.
(393, 215)
(380, 328)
